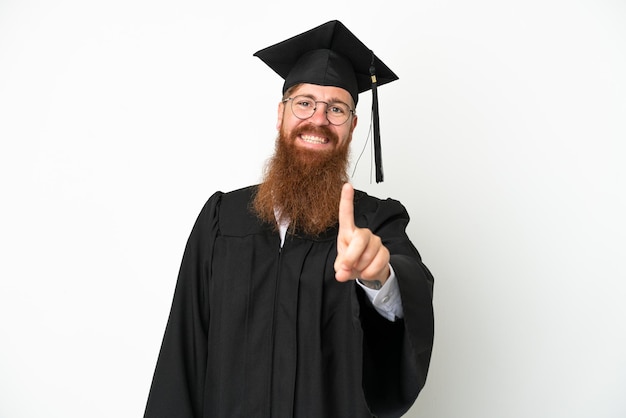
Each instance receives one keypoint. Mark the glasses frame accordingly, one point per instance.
(291, 99)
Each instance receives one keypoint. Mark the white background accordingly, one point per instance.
(504, 138)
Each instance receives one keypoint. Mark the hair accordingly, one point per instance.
(301, 186)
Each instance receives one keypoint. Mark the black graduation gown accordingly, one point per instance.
(259, 331)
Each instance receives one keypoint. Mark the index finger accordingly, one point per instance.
(346, 208)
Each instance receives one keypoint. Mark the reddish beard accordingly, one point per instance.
(303, 185)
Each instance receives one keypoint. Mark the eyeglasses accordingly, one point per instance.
(304, 107)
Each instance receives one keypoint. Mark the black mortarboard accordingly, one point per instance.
(330, 55)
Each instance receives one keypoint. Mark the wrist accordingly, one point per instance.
(377, 283)
(371, 284)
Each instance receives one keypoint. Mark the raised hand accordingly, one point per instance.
(360, 253)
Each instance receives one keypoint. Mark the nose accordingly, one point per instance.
(319, 114)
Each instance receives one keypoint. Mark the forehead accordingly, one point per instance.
(324, 93)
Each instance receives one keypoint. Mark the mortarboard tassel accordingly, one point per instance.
(377, 148)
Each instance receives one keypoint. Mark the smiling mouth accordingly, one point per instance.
(312, 139)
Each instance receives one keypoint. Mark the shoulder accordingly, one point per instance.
(220, 201)
(232, 211)
(238, 197)
(224, 201)
(366, 205)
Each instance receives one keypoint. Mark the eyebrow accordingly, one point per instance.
(331, 101)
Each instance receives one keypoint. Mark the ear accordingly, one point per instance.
(281, 113)
(355, 119)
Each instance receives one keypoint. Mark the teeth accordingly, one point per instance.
(314, 139)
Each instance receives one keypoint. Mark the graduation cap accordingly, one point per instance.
(330, 55)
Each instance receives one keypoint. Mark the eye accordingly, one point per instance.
(303, 102)
(337, 109)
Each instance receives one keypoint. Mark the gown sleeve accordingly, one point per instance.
(396, 355)
(178, 382)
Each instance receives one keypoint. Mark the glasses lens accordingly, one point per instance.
(337, 113)
(304, 107)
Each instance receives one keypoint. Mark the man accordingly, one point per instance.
(300, 297)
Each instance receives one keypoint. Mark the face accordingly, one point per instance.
(316, 133)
